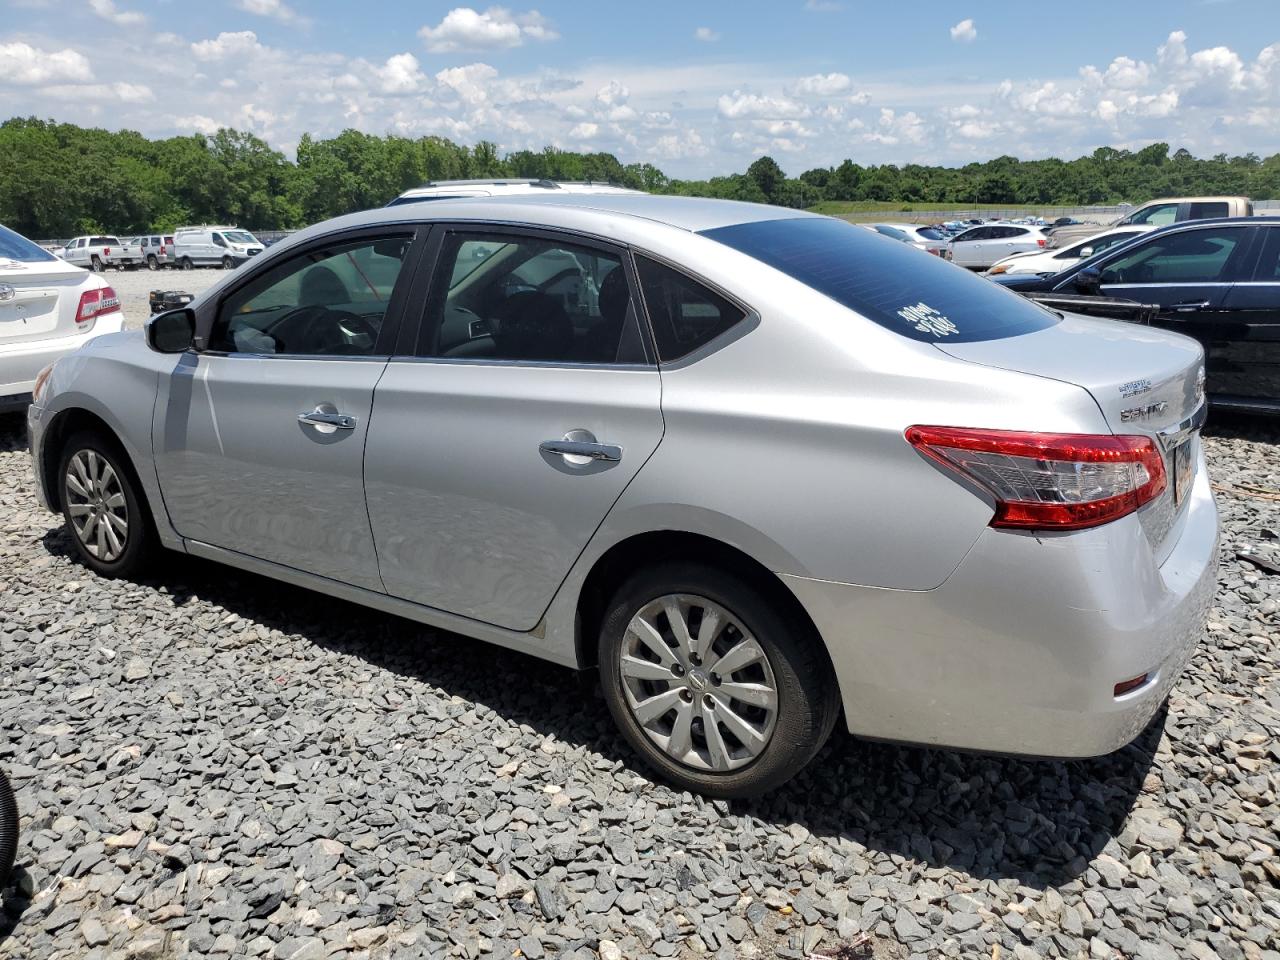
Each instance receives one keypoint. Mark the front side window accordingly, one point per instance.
(512, 297)
(923, 298)
(978, 233)
(329, 301)
(1161, 215)
(239, 236)
(1191, 256)
(684, 313)
(218, 241)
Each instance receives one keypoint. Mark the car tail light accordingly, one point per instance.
(1040, 242)
(106, 251)
(1050, 481)
(94, 303)
(998, 268)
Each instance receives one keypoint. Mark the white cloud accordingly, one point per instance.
(496, 28)
(706, 35)
(823, 85)
(106, 9)
(276, 9)
(471, 83)
(401, 74)
(584, 131)
(238, 44)
(822, 6)
(118, 92)
(964, 32)
(199, 123)
(613, 93)
(739, 104)
(25, 64)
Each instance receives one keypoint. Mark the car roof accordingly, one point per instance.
(598, 213)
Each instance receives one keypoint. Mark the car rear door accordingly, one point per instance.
(507, 430)
(1244, 346)
(1188, 274)
(260, 437)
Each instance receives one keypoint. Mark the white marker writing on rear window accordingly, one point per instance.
(928, 320)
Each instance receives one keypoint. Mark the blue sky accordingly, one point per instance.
(697, 88)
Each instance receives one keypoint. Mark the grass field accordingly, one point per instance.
(877, 210)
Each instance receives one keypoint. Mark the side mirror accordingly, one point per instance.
(1089, 281)
(171, 331)
(1086, 252)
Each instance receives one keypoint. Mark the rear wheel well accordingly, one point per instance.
(623, 559)
(66, 425)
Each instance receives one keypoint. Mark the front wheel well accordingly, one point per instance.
(64, 426)
(624, 558)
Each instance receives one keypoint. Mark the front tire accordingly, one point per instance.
(720, 691)
(103, 507)
(227, 263)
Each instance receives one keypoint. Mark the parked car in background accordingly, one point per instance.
(1215, 280)
(979, 247)
(923, 238)
(879, 442)
(1160, 213)
(503, 187)
(48, 308)
(156, 251)
(100, 252)
(216, 246)
(1045, 262)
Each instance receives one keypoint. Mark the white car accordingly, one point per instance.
(213, 246)
(921, 237)
(98, 252)
(1050, 261)
(981, 247)
(505, 187)
(48, 308)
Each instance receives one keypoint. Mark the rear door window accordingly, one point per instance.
(1269, 265)
(922, 298)
(1206, 210)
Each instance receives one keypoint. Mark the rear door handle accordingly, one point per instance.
(323, 418)
(1190, 306)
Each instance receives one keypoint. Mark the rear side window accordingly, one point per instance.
(922, 298)
(1269, 265)
(1203, 211)
(684, 313)
(14, 246)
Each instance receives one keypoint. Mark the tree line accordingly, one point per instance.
(59, 179)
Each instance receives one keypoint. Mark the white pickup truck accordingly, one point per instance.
(97, 253)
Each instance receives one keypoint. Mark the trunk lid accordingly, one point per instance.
(1146, 382)
(31, 311)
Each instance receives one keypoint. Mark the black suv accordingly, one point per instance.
(1215, 280)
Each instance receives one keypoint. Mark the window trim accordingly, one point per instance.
(207, 314)
(410, 344)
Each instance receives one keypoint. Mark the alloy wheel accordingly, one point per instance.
(97, 506)
(698, 683)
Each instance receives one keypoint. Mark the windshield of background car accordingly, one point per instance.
(14, 246)
(239, 236)
(928, 233)
(922, 298)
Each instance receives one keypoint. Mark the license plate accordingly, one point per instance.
(1183, 467)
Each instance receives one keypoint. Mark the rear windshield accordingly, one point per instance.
(103, 241)
(893, 284)
(929, 233)
(14, 246)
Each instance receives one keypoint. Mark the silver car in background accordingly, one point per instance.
(764, 470)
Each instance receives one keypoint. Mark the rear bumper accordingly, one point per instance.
(21, 362)
(1020, 650)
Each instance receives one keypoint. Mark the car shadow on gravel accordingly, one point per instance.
(1038, 823)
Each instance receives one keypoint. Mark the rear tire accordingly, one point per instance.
(152, 263)
(187, 264)
(103, 506)
(97, 265)
(710, 740)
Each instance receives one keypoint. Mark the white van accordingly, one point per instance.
(213, 246)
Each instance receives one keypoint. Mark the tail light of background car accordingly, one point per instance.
(94, 303)
(1050, 481)
(1040, 242)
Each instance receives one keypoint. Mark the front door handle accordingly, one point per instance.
(325, 418)
(1190, 306)
(581, 447)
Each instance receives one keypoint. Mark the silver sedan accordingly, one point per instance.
(766, 471)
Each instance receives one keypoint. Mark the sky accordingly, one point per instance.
(698, 88)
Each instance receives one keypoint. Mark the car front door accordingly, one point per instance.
(529, 402)
(1244, 347)
(966, 249)
(1187, 274)
(260, 436)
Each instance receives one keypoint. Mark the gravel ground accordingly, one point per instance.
(213, 764)
(134, 288)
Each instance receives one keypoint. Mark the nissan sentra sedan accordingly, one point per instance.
(766, 471)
